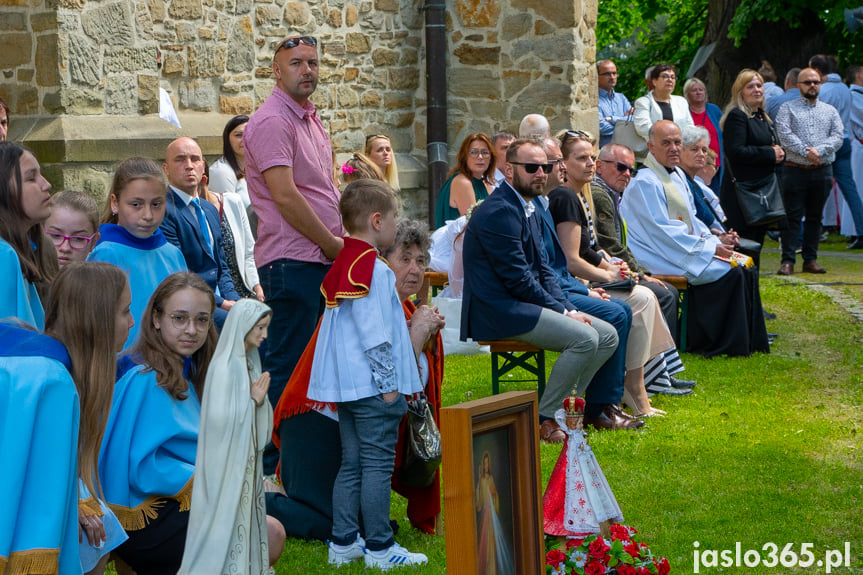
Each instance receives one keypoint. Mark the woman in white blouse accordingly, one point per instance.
(660, 104)
(228, 173)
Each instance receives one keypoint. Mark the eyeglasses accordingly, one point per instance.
(296, 41)
(531, 168)
(75, 242)
(181, 320)
(621, 167)
(667, 77)
(810, 82)
(609, 74)
(373, 137)
(480, 153)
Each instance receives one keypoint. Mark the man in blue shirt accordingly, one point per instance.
(613, 106)
(835, 93)
(772, 104)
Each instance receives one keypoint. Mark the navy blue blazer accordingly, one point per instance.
(507, 279)
(181, 228)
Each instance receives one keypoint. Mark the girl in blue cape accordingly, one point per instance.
(148, 452)
(130, 237)
(45, 456)
(88, 311)
(27, 257)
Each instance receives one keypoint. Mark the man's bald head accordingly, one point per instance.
(534, 126)
(665, 143)
(184, 165)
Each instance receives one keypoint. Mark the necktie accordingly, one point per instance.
(202, 222)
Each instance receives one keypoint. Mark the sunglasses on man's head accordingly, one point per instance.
(296, 41)
(531, 168)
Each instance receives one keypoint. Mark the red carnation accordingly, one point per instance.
(663, 566)
(625, 569)
(570, 543)
(644, 571)
(632, 548)
(594, 568)
(620, 533)
(555, 557)
(598, 548)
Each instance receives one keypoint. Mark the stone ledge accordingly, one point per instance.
(100, 139)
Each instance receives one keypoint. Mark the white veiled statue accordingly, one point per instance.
(228, 523)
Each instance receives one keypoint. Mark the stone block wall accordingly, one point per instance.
(82, 80)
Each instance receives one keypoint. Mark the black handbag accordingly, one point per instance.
(627, 284)
(423, 452)
(760, 200)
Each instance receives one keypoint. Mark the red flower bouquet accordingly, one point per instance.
(623, 554)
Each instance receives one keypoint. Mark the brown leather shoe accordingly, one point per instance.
(813, 268)
(550, 432)
(786, 269)
(610, 419)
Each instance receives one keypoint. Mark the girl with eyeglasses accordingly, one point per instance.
(73, 226)
(129, 236)
(28, 260)
(471, 180)
(380, 151)
(571, 207)
(148, 451)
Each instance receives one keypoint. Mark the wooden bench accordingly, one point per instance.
(507, 355)
(434, 281)
(682, 304)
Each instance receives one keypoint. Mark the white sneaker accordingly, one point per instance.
(352, 552)
(395, 556)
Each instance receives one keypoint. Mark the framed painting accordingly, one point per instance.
(492, 487)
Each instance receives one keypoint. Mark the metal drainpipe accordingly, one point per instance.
(436, 113)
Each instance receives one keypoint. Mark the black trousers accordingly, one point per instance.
(804, 193)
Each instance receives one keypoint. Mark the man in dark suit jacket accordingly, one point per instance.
(201, 244)
(510, 292)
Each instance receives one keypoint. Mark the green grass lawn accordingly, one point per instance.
(767, 450)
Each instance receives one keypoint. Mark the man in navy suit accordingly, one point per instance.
(510, 292)
(192, 223)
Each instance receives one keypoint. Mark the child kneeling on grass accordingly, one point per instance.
(364, 363)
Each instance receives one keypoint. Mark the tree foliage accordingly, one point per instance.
(639, 34)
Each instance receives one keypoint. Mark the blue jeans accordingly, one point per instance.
(803, 193)
(369, 429)
(844, 177)
(293, 292)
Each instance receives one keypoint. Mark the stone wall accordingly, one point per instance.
(82, 80)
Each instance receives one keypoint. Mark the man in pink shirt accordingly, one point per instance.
(289, 169)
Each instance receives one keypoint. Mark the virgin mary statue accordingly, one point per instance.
(227, 523)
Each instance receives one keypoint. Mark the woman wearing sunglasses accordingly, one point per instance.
(471, 180)
(571, 207)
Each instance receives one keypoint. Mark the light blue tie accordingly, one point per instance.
(202, 222)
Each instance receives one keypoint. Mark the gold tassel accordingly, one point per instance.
(90, 506)
(184, 496)
(135, 518)
(33, 562)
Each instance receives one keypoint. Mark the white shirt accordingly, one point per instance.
(664, 245)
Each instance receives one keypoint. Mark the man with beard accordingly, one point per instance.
(510, 292)
(725, 315)
(811, 132)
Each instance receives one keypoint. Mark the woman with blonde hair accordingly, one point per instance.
(471, 180)
(571, 207)
(379, 150)
(751, 148)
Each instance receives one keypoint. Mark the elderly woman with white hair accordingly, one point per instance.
(707, 116)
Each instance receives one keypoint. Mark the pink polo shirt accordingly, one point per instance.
(283, 133)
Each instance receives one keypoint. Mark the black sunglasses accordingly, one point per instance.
(296, 41)
(531, 168)
(621, 167)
